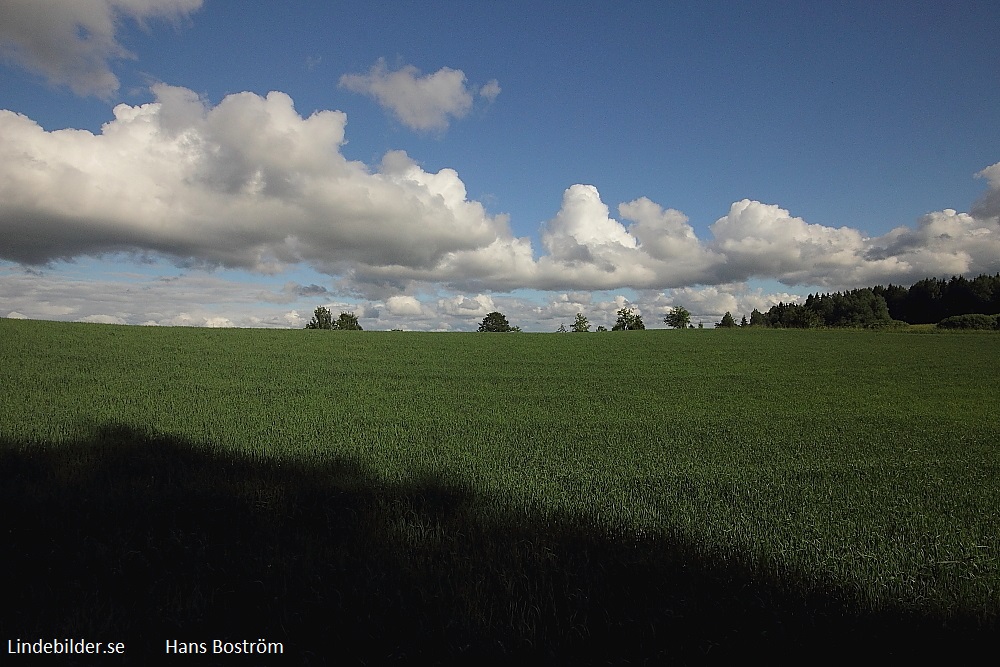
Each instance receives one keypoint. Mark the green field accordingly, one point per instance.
(387, 495)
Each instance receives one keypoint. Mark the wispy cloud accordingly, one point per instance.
(74, 42)
(491, 90)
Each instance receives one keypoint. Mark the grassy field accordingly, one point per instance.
(381, 496)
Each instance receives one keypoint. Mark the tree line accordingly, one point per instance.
(628, 320)
(957, 303)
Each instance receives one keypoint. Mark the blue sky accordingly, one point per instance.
(424, 163)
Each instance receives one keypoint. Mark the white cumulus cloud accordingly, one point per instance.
(420, 101)
(248, 183)
(943, 243)
(582, 227)
(988, 206)
(403, 305)
(758, 239)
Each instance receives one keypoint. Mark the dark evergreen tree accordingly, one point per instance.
(924, 301)
(987, 291)
(895, 300)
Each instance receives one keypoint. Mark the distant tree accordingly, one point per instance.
(758, 319)
(347, 322)
(601, 327)
(727, 321)
(701, 325)
(495, 322)
(562, 329)
(743, 321)
(322, 319)
(679, 318)
(628, 320)
(581, 325)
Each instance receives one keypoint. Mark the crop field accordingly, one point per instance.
(601, 498)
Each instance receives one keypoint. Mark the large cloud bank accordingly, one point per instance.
(249, 183)
(74, 42)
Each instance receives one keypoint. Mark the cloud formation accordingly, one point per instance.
(491, 90)
(74, 42)
(403, 305)
(988, 206)
(423, 102)
(249, 183)
(195, 299)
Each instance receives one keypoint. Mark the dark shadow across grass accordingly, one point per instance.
(143, 538)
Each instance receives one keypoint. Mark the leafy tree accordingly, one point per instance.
(347, 322)
(601, 327)
(628, 320)
(727, 321)
(743, 321)
(679, 318)
(758, 319)
(562, 329)
(496, 322)
(322, 319)
(581, 325)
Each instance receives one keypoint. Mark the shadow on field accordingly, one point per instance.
(139, 538)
